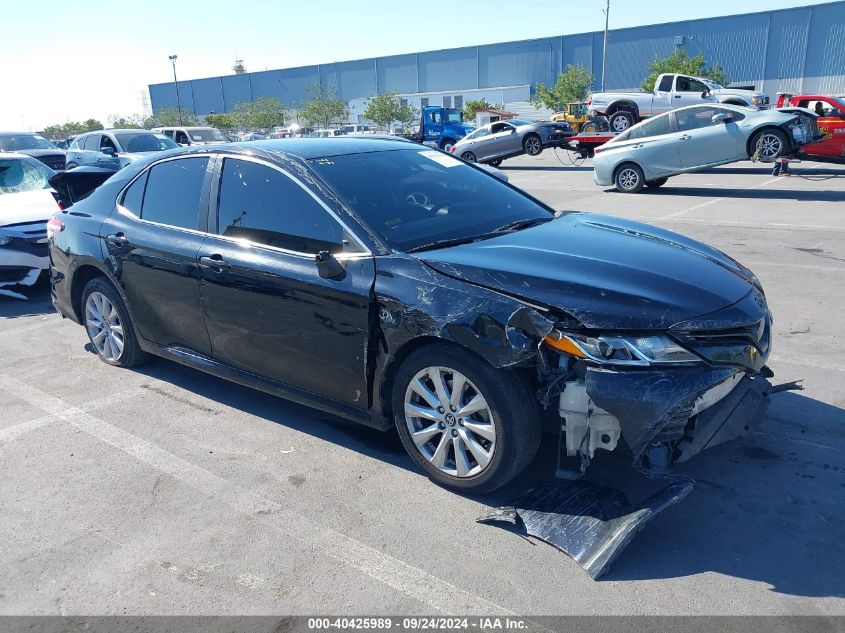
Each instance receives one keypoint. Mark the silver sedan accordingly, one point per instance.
(696, 137)
(494, 142)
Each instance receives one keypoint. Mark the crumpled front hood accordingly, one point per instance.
(607, 272)
(28, 206)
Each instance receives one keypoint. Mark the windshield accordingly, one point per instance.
(144, 142)
(206, 135)
(23, 174)
(412, 197)
(16, 142)
(713, 85)
(453, 116)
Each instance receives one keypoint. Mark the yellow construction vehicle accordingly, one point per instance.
(578, 116)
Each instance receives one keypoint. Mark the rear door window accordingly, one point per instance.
(134, 196)
(265, 206)
(173, 190)
(654, 127)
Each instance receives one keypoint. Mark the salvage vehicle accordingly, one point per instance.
(831, 122)
(26, 204)
(697, 137)
(185, 136)
(396, 285)
(33, 145)
(114, 149)
(624, 109)
(494, 142)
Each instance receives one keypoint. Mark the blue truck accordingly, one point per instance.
(441, 127)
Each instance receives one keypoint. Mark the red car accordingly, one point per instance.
(831, 111)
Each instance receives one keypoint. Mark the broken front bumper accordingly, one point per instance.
(21, 266)
(668, 416)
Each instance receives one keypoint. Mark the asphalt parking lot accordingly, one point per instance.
(165, 491)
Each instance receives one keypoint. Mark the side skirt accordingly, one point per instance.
(272, 387)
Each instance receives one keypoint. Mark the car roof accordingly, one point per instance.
(308, 148)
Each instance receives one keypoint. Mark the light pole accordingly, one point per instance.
(172, 59)
(604, 46)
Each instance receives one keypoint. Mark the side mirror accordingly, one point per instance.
(722, 117)
(328, 267)
(108, 150)
(705, 93)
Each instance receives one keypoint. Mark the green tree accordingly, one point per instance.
(680, 62)
(263, 113)
(322, 106)
(221, 120)
(72, 128)
(168, 117)
(132, 121)
(572, 85)
(474, 105)
(386, 108)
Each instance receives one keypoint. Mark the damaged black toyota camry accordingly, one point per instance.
(395, 285)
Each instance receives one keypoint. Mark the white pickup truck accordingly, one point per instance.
(671, 91)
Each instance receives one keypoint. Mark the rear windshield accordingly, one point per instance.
(17, 142)
(144, 142)
(23, 174)
(414, 197)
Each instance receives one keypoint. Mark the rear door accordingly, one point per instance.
(702, 142)
(267, 309)
(153, 241)
(654, 146)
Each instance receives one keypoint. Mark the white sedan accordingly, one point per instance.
(26, 204)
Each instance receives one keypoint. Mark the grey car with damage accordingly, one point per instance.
(494, 142)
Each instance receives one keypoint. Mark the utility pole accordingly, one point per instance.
(172, 59)
(604, 46)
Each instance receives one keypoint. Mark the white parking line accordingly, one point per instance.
(713, 201)
(412, 581)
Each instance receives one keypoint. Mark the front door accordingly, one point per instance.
(702, 142)
(153, 241)
(267, 309)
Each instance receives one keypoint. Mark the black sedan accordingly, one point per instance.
(397, 285)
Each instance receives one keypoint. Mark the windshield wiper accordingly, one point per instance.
(455, 241)
(521, 224)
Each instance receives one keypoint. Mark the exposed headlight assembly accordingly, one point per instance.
(622, 350)
(758, 101)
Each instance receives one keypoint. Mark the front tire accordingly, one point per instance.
(446, 145)
(109, 326)
(621, 120)
(629, 178)
(469, 426)
(532, 145)
(771, 143)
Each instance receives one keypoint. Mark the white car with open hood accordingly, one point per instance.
(26, 204)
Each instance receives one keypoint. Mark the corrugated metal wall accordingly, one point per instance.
(800, 49)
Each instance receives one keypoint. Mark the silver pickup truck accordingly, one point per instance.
(671, 91)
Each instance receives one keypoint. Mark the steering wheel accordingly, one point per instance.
(420, 199)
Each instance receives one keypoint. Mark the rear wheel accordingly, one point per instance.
(657, 182)
(463, 422)
(589, 127)
(446, 144)
(532, 145)
(109, 326)
(621, 121)
(769, 145)
(468, 157)
(629, 178)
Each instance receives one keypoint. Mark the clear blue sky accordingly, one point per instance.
(74, 60)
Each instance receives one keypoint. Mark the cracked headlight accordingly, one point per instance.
(622, 350)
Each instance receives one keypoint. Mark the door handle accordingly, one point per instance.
(677, 96)
(685, 137)
(117, 239)
(215, 262)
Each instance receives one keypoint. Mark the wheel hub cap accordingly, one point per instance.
(104, 326)
(450, 422)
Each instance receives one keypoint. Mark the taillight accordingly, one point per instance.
(452, 149)
(54, 225)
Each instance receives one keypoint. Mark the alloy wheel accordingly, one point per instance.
(770, 146)
(532, 146)
(620, 124)
(104, 327)
(628, 178)
(450, 422)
